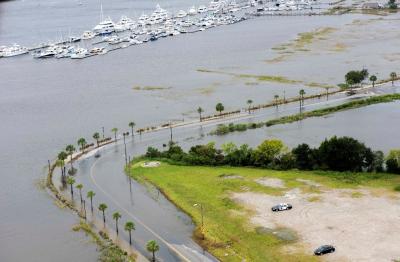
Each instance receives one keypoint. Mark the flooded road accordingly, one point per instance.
(45, 105)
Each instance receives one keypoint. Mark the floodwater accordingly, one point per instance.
(45, 105)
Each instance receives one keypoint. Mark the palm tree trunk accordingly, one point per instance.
(154, 257)
(130, 238)
(91, 204)
(80, 194)
(132, 131)
(116, 226)
(104, 219)
(72, 191)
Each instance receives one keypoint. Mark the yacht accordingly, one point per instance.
(113, 40)
(143, 19)
(88, 35)
(73, 39)
(160, 12)
(79, 53)
(202, 9)
(105, 27)
(181, 14)
(192, 11)
(214, 5)
(14, 50)
(124, 23)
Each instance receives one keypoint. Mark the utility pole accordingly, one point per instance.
(170, 130)
(126, 157)
(103, 131)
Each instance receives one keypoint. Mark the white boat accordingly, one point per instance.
(192, 11)
(113, 40)
(160, 12)
(79, 53)
(125, 23)
(214, 5)
(14, 50)
(105, 27)
(181, 14)
(202, 9)
(88, 35)
(143, 19)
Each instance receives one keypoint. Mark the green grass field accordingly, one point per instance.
(228, 234)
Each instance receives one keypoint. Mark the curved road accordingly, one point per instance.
(155, 217)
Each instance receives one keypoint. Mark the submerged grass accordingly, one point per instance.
(228, 232)
(223, 129)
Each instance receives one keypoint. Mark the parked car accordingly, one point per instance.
(281, 207)
(325, 249)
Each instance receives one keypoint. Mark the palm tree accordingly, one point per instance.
(373, 78)
(249, 102)
(302, 93)
(70, 149)
(61, 160)
(393, 77)
(79, 187)
(115, 130)
(131, 125)
(152, 247)
(71, 182)
(129, 226)
(82, 143)
(116, 217)
(96, 136)
(219, 107)
(90, 195)
(102, 208)
(276, 100)
(200, 110)
(327, 91)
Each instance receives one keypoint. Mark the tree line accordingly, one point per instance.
(335, 154)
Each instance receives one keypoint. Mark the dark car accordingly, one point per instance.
(281, 207)
(325, 249)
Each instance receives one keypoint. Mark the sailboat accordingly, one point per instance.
(106, 26)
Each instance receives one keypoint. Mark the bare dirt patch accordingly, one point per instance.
(271, 182)
(363, 228)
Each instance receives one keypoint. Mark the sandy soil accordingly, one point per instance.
(361, 226)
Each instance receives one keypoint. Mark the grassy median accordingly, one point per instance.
(228, 234)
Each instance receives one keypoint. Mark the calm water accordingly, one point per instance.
(45, 105)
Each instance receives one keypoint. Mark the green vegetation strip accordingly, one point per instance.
(228, 233)
(224, 129)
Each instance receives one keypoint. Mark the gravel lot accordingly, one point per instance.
(361, 225)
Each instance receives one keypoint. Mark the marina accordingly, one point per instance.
(159, 24)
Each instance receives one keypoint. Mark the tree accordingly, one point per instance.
(268, 151)
(373, 78)
(82, 143)
(249, 102)
(71, 182)
(116, 217)
(90, 195)
(152, 247)
(79, 187)
(129, 226)
(276, 100)
(115, 130)
(96, 136)
(219, 107)
(343, 154)
(132, 125)
(392, 4)
(302, 93)
(61, 161)
(303, 155)
(393, 77)
(200, 110)
(102, 208)
(70, 150)
(354, 77)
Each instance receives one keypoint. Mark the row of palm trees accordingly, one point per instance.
(129, 226)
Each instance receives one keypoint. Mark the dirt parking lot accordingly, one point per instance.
(363, 226)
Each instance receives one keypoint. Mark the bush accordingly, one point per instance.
(397, 188)
(153, 152)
